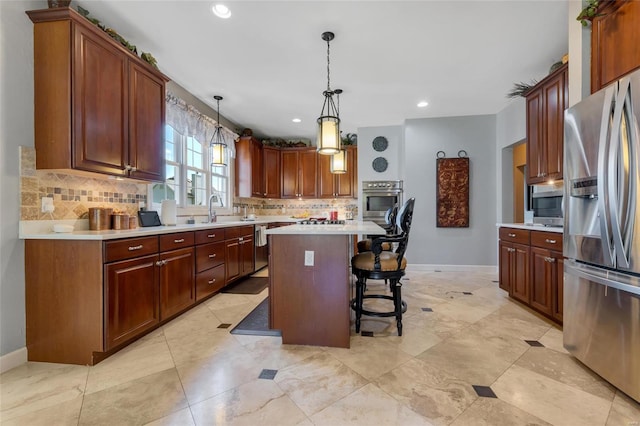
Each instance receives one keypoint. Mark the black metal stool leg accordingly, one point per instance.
(359, 297)
(397, 303)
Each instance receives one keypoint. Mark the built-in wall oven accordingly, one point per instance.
(378, 196)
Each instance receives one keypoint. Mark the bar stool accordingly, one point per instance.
(379, 264)
(389, 227)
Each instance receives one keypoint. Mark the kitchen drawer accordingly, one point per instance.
(548, 240)
(209, 281)
(209, 255)
(209, 235)
(176, 241)
(515, 235)
(129, 248)
(238, 231)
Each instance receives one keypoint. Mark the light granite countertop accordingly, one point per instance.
(532, 227)
(43, 229)
(350, 227)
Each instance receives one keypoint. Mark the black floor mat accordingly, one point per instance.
(257, 322)
(249, 285)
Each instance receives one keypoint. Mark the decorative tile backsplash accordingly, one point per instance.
(72, 194)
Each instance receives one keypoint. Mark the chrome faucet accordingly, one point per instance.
(212, 213)
(245, 212)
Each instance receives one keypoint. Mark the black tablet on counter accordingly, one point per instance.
(149, 218)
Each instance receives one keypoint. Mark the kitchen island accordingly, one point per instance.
(309, 288)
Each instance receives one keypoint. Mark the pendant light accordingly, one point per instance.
(217, 145)
(329, 122)
(338, 164)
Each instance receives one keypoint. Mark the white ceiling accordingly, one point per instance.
(269, 61)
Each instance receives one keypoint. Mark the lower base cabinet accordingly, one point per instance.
(131, 293)
(177, 282)
(531, 268)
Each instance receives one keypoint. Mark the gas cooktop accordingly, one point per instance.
(321, 222)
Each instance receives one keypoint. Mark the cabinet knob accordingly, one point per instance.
(132, 169)
(181, 240)
(549, 259)
(161, 262)
(211, 256)
(512, 235)
(211, 281)
(550, 241)
(134, 248)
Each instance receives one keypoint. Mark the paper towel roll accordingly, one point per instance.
(168, 213)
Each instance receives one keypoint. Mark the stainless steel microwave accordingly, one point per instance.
(547, 207)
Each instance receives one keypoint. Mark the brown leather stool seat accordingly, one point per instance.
(365, 245)
(379, 264)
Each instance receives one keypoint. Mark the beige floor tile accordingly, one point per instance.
(234, 314)
(550, 400)
(201, 344)
(197, 319)
(226, 300)
(476, 358)
(136, 402)
(370, 357)
(565, 369)
(179, 418)
(506, 321)
(433, 393)
(276, 356)
(553, 340)
(624, 411)
(205, 378)
(368, 406)
(259, 402)
(493, 412)
(144, 357)
(35, 386)
(439, 324)
(416, 338)
(460, 312)
(65, 414)
(318, 382)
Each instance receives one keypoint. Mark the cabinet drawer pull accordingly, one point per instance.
(211, 236)
(550, 241)
(161, 262)
(134, 248)
(549, 259)
(181, 240)
(512, 235)
(211, 256)
(211, 281)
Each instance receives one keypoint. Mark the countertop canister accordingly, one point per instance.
(99, 218)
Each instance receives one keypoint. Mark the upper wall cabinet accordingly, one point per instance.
(546, 103)
(98, 107)
(249, 168)
(338, 185)
(615, 50)
(299, 173)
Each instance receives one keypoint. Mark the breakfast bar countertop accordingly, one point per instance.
(350, 227)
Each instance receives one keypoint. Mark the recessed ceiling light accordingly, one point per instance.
(221, 11)
(422, 104)
(296, 120)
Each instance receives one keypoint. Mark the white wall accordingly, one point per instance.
(394, 155)
(16, 128)
(476, 135)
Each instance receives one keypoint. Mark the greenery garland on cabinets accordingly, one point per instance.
(589, 12)
(147, 57)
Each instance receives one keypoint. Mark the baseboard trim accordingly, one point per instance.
(453, 268)
(13, 359)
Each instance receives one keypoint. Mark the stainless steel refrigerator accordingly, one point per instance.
(602, 233)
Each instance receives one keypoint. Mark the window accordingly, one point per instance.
(190, 178)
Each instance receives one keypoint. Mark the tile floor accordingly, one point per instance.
(190, 372)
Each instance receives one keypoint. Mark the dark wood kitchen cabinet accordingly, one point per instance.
(177, 273)
(547, 268)
(615, 50)
(531, 268)
(248, 173)
(546, 103)
(299, 172)
(338, 185)
(271, 172)
(239, 252)
(210, 260)
(98, 107)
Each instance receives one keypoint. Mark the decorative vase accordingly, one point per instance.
(58, 3)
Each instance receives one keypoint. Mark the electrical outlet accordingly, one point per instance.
(47, 205)
(308, 258)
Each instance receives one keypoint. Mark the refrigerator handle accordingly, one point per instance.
(602, 276)
(621, 182)
(603, 178)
